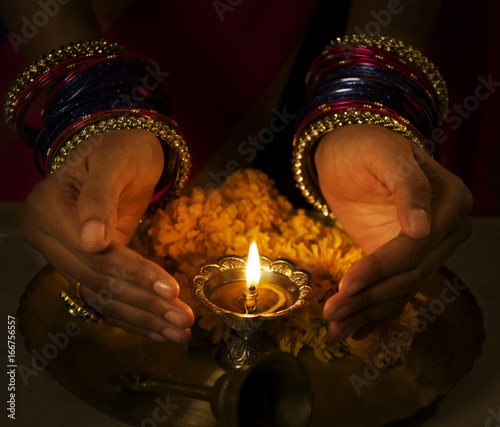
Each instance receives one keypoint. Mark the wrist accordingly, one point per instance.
(366, 80)
(96, 88)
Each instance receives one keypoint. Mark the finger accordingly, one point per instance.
(403, 252)
(177, 336)
(142, 332)
(98, 202)
(106, 288)
(398, 255)
(122, 174)
(172, 323)
(452, 199)
(124, 287)
(407, 283)
(341, 330)
(339, 306)
(367, 330)
(124, 314)
(126, 265)
(48, 206)
(117, 262)
(107, 304)
(135, 320)
(412, 193)
(173, 311)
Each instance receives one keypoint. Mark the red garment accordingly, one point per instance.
(214, 64)
(221, 59)
(464, 46)
(18, 174)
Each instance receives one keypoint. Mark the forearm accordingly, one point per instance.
(60, 23)
(409, 21)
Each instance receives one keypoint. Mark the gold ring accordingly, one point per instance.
(72, 304)
(77, 290)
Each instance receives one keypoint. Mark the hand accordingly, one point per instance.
(81, 217)
(406, 211)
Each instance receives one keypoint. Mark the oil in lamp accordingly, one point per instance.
(250, 294)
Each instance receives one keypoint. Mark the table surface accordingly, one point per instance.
(474, 402)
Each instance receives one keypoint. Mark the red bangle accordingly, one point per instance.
(60, 72)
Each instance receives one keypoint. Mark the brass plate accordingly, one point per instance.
(441, 354)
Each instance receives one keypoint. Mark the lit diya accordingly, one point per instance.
(250, 295)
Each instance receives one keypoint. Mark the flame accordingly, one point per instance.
(253, 267)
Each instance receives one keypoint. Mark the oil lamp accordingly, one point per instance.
(250, 294)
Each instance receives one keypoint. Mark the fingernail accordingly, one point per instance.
(165, 289)
(180, 336)
(351, 288)
(419, 222)
(173, 317)
(180, 318)
(341, 286)
(93, 234)
(171, 334)
(341, 312)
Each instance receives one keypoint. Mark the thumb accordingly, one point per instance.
(412, 193)
(97, 207)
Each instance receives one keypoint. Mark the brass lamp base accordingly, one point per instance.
(242, 351)
(219, 277)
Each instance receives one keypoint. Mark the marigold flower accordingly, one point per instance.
(194, 230)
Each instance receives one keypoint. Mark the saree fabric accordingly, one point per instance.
(464, 45)
(234, 67)
(214, 61)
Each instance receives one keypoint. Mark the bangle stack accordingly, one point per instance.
(85, 89)
(94, 87)
(45, 63)
(366, 79)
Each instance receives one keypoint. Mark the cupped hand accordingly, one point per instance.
(406, 211)
(82, 217)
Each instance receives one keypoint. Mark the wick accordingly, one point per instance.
(250, 298)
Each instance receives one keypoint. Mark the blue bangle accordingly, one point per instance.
(117, 83)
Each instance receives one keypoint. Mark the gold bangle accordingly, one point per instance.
(407, 54)
(303, 146)
(50, 59)
(167, 133)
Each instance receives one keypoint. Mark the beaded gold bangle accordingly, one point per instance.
(50, 59)
(406, 54)
(165, 132)
(303, 145)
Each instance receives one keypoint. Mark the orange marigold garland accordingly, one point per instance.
(194, 230)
